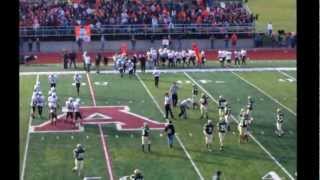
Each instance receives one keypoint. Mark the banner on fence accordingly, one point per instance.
(83, 32)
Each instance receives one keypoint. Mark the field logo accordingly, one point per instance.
(101, 115)
(271, 176)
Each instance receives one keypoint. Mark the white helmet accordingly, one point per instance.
(79, 145)
(209, 121)
(70, 99)
(53, 89)
(78, 100)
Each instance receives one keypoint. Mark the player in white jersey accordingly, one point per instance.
(178, 56)
(33, 104)
(243, 54)
(77, 80)
(40, 103)
(236, 57)
(69, 106)
(184, 57)
(191, 57)
(130, 68)
(156, 74)
(203, 57)
(52, 78)
(52, 105)
(221, 57)
(76, 108)
(228, 57)
(170, 58)
(52, 90)
(154, 57)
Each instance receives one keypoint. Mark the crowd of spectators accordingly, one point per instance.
(124, 12)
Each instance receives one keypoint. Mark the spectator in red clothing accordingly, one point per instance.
(234, 40)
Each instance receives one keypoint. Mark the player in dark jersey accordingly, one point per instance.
(227, 114)
(78, 154)
(242, 127)
(279, 122)
(250, 104)
(208, 133)
(221, 105)
(145, 137)
(170, 131)
(195, 93)
(174, 93)
(137, 175)
(222, 130)
(204, 106)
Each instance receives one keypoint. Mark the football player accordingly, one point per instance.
(33, 104)
(227, 115)
(40, 103)
(184, 105)
(145, 137)
(170, 131)
(221, 105)
(156, 75)
(167, 106)
(221, 57)
(174, 93)
(77, 79)
(78, 154)
(222, 129)
(242, 127)
(137, 175)
(52, 90)
(52, 105)
(194, 96)
(279, 122)
(76, 109)
(130, 68)
(208, 134)
(204, 106)
(250, 105)
(243, 54)
(236, 57)
(228, 57)
(52, 80)
(69, 106)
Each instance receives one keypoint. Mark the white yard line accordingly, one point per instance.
(171, 70)
(103, 141)
(27, 142)
(177, 137)
(254, 139)
(286, 74)
(263, 92)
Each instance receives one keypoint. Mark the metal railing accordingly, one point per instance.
(62, 31)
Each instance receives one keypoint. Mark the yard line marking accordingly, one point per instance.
(170, 70)
(286, 74)
(254, 139)
(177, 137)
(263, 92)
(27, 142)
(102, 137)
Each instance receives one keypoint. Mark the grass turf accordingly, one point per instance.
(247, 161)
(282, 14)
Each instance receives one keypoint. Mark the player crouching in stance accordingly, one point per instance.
(279, 123)
(78, 154)
(52, 105)
(222, 129)
(76, 109)
(69, 106)
(204, 106)
(137, 175)
(145, 137)
(243, 126)
(184, 105)
(170, 131)
(77, 80)
(208, 134)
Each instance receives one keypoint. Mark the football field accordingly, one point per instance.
(114, 151)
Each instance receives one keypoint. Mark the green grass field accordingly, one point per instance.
(282, 14)
(49, 155)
